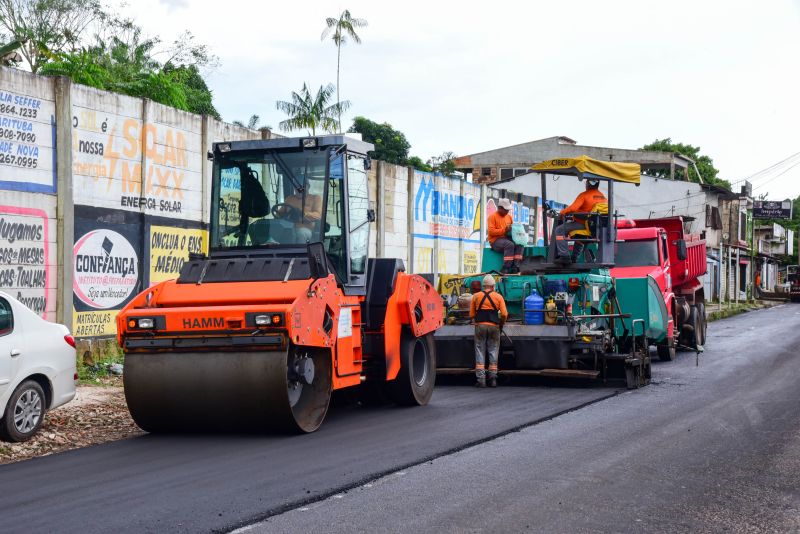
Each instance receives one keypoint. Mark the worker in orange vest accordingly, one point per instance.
(488, 311)
(590, 201)
(499, 230)
(758, 284)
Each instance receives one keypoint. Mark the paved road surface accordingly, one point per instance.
(708, 449)
(202, 483)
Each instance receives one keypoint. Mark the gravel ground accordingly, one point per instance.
(98, 414)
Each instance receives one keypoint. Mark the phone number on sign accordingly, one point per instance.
(10, 159)
(27, 137)
(29, 113)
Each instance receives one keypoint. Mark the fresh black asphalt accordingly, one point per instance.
(203, 483)
(714, 448)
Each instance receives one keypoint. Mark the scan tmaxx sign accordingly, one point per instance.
(772, 209)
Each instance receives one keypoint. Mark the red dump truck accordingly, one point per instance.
(657, 258)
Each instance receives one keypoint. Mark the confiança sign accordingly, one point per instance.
(772, 209)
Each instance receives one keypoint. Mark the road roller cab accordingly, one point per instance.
(286, 307)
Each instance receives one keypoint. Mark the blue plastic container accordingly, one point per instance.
(533, 302)
(551, 287)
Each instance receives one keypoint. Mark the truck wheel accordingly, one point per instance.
(24, 412)
(701, 314)
(666, 353)
(417, 376)
(695, 336)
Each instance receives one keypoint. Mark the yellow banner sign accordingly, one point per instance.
(170, 248)
(94, 323)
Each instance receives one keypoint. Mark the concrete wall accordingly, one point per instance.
(103, 195)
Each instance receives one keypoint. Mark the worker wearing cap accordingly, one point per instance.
(499, 229)
(592, 200)
(488, 311)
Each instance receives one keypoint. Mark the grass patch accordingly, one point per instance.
(95, 360)
(729, 310)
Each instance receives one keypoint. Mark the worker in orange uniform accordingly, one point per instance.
(499, 227)
(758, 284)
(488, 311)
(590, 201)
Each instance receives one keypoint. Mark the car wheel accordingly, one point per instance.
(24, 412)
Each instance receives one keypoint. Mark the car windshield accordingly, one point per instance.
(636, 253)
(268, 198)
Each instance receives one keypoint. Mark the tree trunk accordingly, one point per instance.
(338, 104)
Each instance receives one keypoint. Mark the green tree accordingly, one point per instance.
(390, 145)
(125, 63)
(704, 163)
(45, 28)
(340, 29)
(311, 111)
(417, 163)
(444, 163)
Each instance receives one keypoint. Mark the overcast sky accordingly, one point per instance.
(472, 76)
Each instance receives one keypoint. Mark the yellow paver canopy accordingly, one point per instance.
(586, 167)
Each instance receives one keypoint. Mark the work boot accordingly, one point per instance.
(480, 383)
(492, 381)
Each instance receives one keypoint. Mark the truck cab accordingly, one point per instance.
(643, 252)
(659, 253)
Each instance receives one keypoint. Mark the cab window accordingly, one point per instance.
(359, 214)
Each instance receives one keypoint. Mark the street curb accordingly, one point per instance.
(712, 316)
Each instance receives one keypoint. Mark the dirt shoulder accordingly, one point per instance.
(98, 414)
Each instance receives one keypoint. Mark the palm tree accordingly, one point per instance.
(312, 112)
(342, 28)
(252, 122)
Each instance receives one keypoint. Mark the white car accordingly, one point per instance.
(37, 369)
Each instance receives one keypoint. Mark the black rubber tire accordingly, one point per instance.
(8, 430)
(417, 376)
(666, 353)
(695, 337)
(701, 314)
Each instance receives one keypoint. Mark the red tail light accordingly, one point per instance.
(70, 340)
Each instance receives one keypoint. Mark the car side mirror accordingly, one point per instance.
(317, 261)
(681, 243)
(371, 215)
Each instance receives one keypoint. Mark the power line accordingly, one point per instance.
(777, 176)
(686, 197)
(766, 170)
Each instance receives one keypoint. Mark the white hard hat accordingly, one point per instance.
(505, 203)
(488, 281)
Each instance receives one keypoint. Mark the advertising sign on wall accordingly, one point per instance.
(107, 271)
(170, 248)
(25, 268)
(121, 162)
(447, 211)
(27, 136)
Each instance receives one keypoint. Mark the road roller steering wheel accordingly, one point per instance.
(283, 210)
